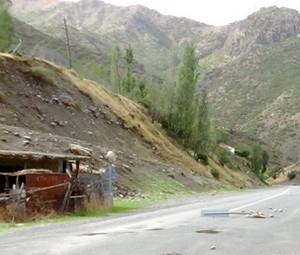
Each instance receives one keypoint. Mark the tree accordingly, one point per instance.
(129, 81)
(200, 141)
(114, 70)
(259, 159)
(185, 94)
(6, 26)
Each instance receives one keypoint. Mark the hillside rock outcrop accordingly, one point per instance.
(267, 26)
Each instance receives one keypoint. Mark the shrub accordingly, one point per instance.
(223, 156)
(215, 173)
(43, 73)
(202, 158)
(274, 171)
(242, 151)
(291, 175)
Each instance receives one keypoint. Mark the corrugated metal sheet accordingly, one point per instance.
(50, 198)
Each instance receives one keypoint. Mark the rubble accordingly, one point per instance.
(79, 150)
(253, 214)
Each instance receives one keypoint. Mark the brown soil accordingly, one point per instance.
(43, 111)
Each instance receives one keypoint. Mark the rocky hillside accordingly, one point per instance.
(257, 92)
(268, 26)
(250, 67)
(46, 108)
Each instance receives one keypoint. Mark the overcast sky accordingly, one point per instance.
(212, 12)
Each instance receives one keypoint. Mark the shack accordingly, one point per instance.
(36, 182)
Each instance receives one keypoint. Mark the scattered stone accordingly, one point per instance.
(66, 100)
(27, 138)
(213, 247)
(171, 176)
(55, 100)
(53, 124)
(90, 132)
(271, 215)
(280, 210)
(17, 134)
(126, 167)
(79, 150)
(258, 215)
(61, 123)
(26, 142)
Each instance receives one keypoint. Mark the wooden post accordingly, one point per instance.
(68, 43)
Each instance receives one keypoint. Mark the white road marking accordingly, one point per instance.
(260, 201)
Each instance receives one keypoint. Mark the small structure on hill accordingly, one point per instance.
(38, 183)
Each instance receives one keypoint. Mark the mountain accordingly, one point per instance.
(150, 34)
(267, 26)
(257, 91)
(250, 68)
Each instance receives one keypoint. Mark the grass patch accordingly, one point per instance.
(44, 73)
(120, 206)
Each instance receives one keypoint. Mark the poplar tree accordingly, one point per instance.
(200, 140)
(114, 70)
(185, 94)
(128, 83)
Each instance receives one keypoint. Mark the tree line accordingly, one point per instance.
(176, 102)
(180, 105)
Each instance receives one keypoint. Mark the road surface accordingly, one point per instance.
(175, 230)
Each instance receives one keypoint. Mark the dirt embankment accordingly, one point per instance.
(45, 108)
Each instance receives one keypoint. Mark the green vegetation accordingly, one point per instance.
(120, 206)
(242, 150)
(6, 25)
(114, 70)
(259, 160)
(223, 156)
(215, 173)
(44, 73)
(292, 175)
(183, 111)
(129, 81)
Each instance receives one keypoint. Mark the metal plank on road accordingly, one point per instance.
(215, 213)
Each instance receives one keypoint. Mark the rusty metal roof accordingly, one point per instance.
(32, 155)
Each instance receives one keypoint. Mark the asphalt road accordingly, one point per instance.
(176, 230)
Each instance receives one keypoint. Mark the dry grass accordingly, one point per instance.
(230, 177)
(134, 118)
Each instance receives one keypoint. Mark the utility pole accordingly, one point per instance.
(68, 43)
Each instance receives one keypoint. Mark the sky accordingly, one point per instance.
(211, 12)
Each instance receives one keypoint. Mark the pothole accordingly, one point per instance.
(94, 234)
(208, 231)
(155, 229)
